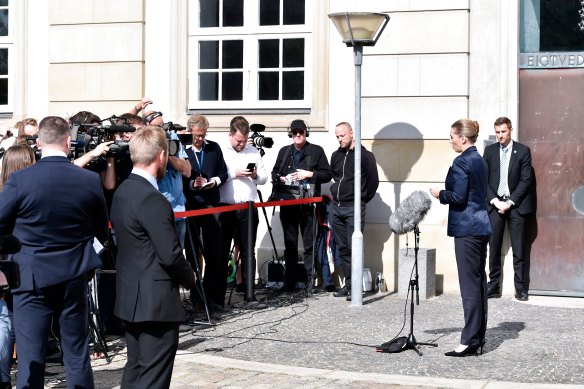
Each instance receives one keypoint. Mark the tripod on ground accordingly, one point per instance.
(275, 257)
(411, 342)
(199, 281)
(96, 331)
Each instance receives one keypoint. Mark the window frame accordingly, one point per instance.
(7, 42)
(251, 33)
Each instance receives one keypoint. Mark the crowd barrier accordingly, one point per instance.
(236, 207)
(250, 205)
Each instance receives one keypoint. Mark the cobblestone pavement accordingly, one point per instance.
(289, 341)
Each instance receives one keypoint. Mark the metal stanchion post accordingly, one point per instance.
(249, 270)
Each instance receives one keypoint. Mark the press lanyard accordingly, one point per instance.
(200, 163)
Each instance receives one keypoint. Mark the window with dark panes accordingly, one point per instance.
(221, 69)
(208, 13)
(232, 13)
(3, 76)
(276, 72)
(5, 43)
(252, 53)
(552, 26)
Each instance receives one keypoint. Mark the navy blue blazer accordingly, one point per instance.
(55, 209)
(466, 193)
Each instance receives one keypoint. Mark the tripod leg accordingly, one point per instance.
(269, 226)
(199, 282)
(313, 230)
(95, 321)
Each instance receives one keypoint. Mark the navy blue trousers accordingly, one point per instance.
(471, 257)
(33, 311)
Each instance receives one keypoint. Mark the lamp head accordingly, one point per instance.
(359, 28)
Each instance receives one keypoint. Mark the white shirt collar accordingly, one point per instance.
(53, 153)
(144, 174)
(509, 146)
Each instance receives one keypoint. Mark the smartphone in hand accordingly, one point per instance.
(251, 166)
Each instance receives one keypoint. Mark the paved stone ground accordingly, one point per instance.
(289, 341)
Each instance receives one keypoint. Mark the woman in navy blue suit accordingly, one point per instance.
(468, 222)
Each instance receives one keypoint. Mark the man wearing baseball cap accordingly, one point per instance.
(303, 164)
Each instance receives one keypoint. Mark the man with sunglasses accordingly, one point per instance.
(177, 169)
(301, 163)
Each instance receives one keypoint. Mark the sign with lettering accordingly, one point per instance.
(554, 60)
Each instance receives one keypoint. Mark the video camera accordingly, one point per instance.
(86, 137)
(174, 144)
(258, 140)
(31, 142)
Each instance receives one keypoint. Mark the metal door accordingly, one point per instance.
(551, 123)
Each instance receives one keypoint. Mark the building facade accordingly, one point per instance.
(277, 60)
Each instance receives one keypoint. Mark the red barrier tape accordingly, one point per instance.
(235, 207)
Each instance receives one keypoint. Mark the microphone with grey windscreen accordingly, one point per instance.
(410, 212)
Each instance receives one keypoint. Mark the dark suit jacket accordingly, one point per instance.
(56, 209)
(466, 193)
(519, 176)
(150, 262)
(212, 165)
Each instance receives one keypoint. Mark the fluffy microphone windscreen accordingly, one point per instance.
(410, 212)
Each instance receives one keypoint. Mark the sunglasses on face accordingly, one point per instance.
(152, 116)
(297, 132)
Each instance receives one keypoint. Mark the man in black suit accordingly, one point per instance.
(58, 212)
(511, 199)
(150, 265)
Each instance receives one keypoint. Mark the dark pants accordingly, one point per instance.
(235, 225)
(205, 231)
(517, 232)
(343, 223)
(151, 350)
(293, 219)
(33, 311)
(471, 257)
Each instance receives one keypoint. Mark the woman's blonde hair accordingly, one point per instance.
(467, 128)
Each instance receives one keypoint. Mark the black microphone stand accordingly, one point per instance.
(411, 342)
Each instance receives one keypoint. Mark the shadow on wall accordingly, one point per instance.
(397, 148)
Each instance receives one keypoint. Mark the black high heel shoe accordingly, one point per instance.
(470, 350)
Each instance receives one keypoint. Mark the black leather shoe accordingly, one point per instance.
(343, 292)
(521, 296)
(287, 288)
(349, 295)
(493, 293)
(329, 288)
(470, 350)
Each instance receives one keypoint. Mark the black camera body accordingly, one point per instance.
(86, 137)
(31, 142)
(258, 140)
(11, 277)
(9, 244)
(173, 144)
